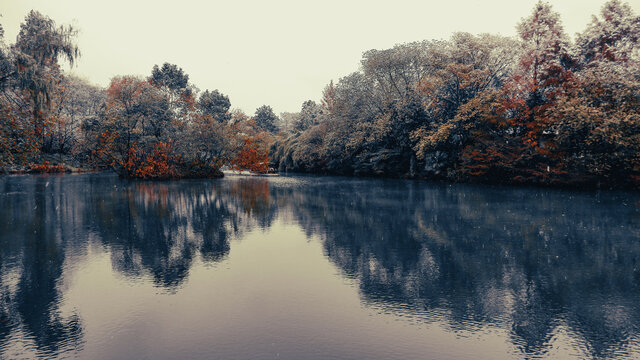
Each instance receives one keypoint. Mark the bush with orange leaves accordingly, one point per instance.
(47, 167)
(252, 158)
(160, 163)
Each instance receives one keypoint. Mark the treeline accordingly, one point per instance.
(153, 127)
(540, 109)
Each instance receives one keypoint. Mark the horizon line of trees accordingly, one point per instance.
(540, 109)
(153, 127)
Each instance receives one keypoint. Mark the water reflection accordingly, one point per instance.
(530, 261)
(158, 228)
(527, 260)
(32, 254)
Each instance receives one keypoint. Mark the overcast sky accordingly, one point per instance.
(279, 53)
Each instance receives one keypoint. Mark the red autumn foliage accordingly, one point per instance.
(532, 92)
(159, 164)
(253, 195)
(47, 167)
(104, 148)
(251, 158)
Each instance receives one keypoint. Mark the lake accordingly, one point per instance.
(306, 267)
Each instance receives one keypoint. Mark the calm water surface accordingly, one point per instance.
(94, 267)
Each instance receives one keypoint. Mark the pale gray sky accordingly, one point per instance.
(279, 53)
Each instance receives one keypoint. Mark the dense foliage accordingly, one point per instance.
(540, 109)
(150, 128)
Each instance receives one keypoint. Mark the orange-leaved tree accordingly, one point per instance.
(541, 76)
(251, 157)
(132, 141)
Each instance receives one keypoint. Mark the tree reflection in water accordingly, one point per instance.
(528, 260)
(32, 255)
(531, 261)
(149, 228)
(160, 227)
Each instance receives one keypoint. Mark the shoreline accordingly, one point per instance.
(244, 173)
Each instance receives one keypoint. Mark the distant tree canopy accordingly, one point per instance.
(155, 129)
(266, 119)
(170, 76)
(541, 109)
(149, 128)
(215, 104)
(309, 115)
(538, 109)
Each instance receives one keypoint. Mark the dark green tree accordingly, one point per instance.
(169, 76)
(309, 115)
(216, 104)
(173, 82)
(266, 119)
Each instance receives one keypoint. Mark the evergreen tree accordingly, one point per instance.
(266, 119)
